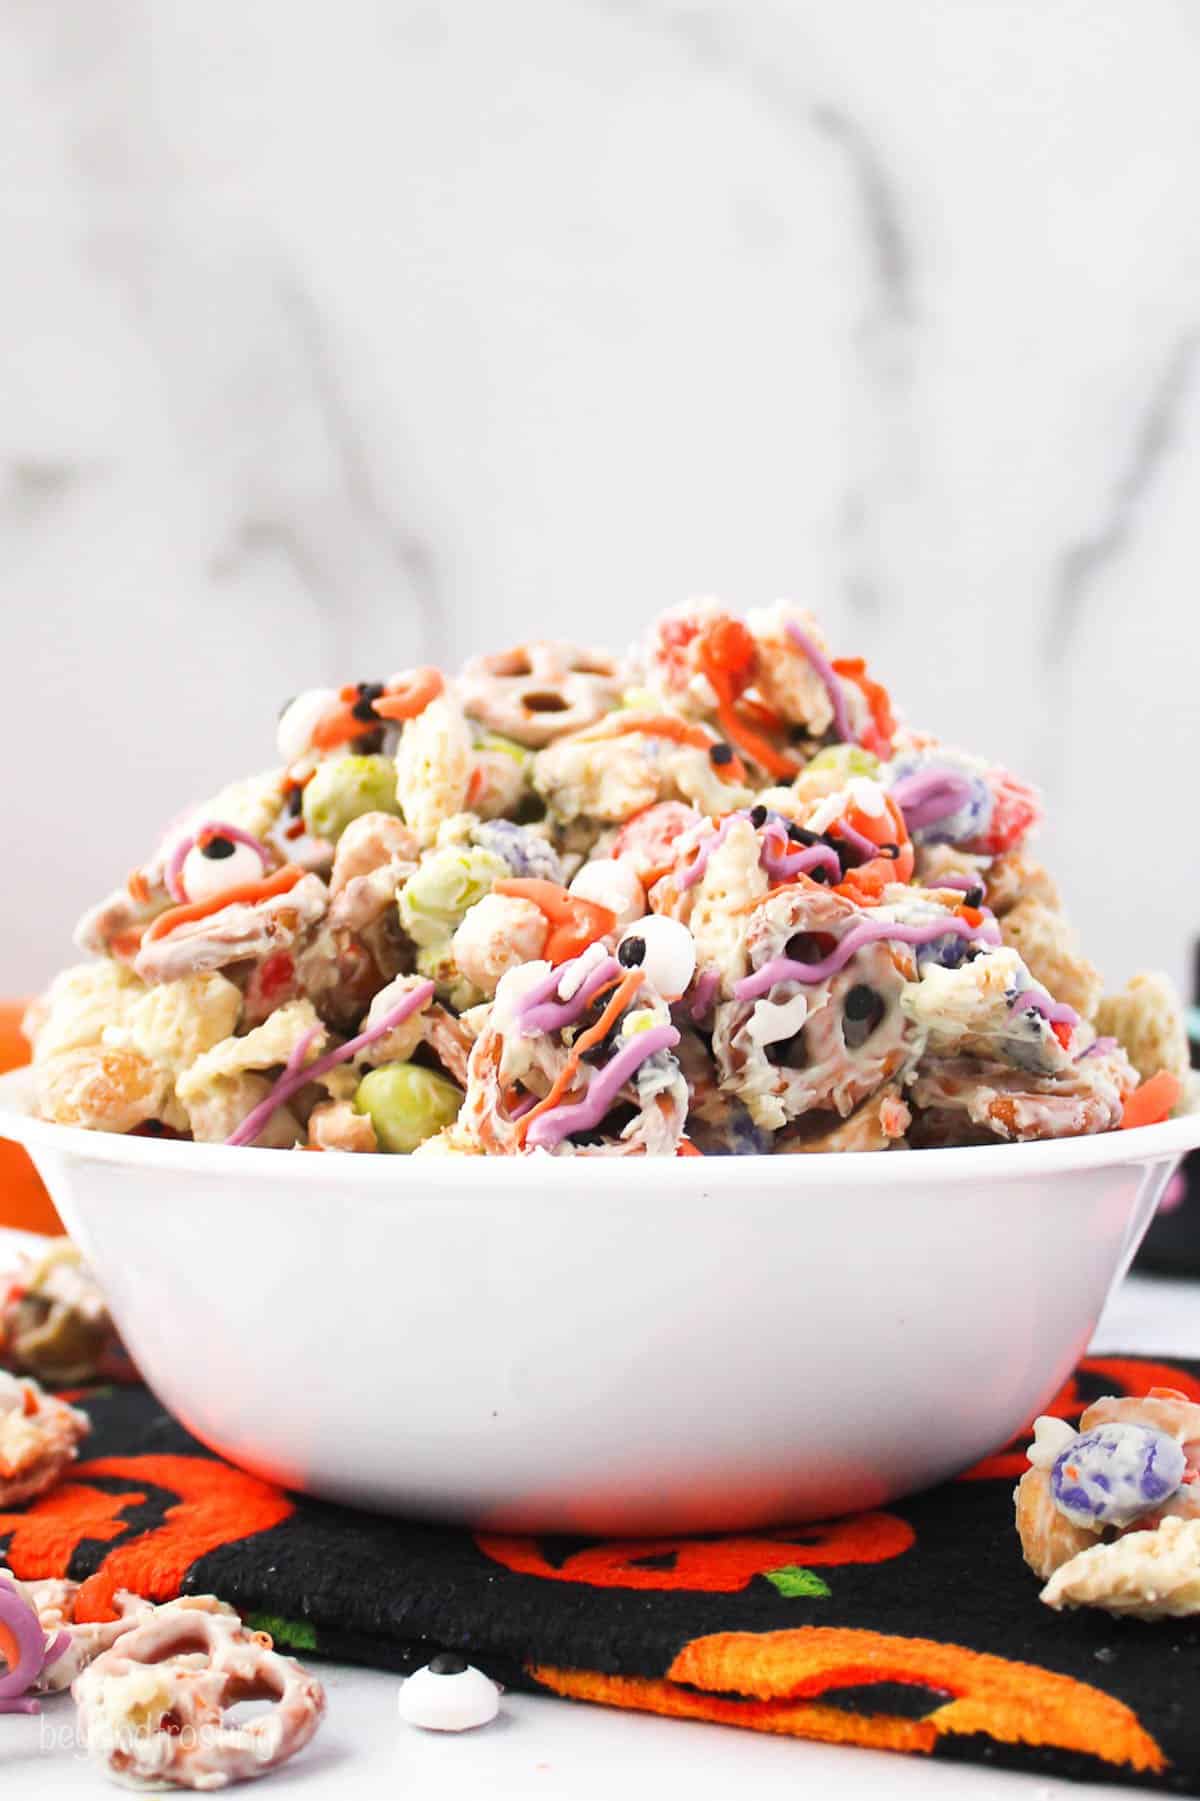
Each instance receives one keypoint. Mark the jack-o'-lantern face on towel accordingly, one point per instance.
(780, 1681)
(710, 1565)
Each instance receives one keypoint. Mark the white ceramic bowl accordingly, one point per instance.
(604, 1345)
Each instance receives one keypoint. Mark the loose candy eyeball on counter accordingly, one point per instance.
(664, 949)
(220, 863)
(449, 1695)
(299, 720)
(1111, 1475)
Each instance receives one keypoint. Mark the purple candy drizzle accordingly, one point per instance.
(871, 931)
(33, 1653)
(297, 1073)
(829, 676)
(1036, 1000)
(929, 795)
(545, 1015)
(604, 1085)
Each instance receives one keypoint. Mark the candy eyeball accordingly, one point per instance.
(299, 719)
(663, 948)
(612, 882)
(1108, 1476)
(218, 864)
(449, 1695)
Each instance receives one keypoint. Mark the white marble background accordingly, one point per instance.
(332, 336)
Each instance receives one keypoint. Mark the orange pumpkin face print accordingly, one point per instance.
(775, 1681)
(215, 1505)
(708, 1565)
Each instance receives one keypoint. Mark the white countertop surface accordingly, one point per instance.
(564, 1751)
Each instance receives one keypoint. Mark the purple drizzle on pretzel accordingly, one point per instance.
(604, 1085)
(871, 931)
(297, 1073)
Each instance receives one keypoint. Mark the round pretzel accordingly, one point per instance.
(151, 1709)
(38, 1436)
(537, 692)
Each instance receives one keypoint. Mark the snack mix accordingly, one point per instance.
(711, 898)
(1109, 1516)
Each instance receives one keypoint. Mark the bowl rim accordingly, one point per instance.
(990, 1163)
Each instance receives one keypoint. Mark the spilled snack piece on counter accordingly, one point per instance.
(448, 1695)
(1109, 1516)
(39, 1438)
(710, 897)
(154, 1685)
(152, 1707)
(55, 1323)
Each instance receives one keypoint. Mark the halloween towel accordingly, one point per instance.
(916, 1628)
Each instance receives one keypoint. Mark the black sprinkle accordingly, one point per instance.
(370, 690)
(758, 817)
(362, 709)
(447, 1663)
(800, 834)
(368, 744)
(889, 850)
(973, 897)
(218, 849)
(631, 952)
(295, 801)
(720, 754)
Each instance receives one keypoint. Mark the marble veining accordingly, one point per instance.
(334, 340)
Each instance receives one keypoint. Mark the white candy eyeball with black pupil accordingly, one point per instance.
(449, 1695)
(222, 863)
(299, 720)
(664, 949)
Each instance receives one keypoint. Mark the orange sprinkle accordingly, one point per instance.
(246, 893)
(1153, 1102)
(475, 787)
(138, 887)
(336, 727)
(625, 991)
(878, 736)
(721, 653)
(574, 922)
(685, 1148)
(666, 725)
(126, 943)
(409, 694)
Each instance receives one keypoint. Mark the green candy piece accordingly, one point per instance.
(846, 759)
(443, 888)
(406, 1104)
(345, 788)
